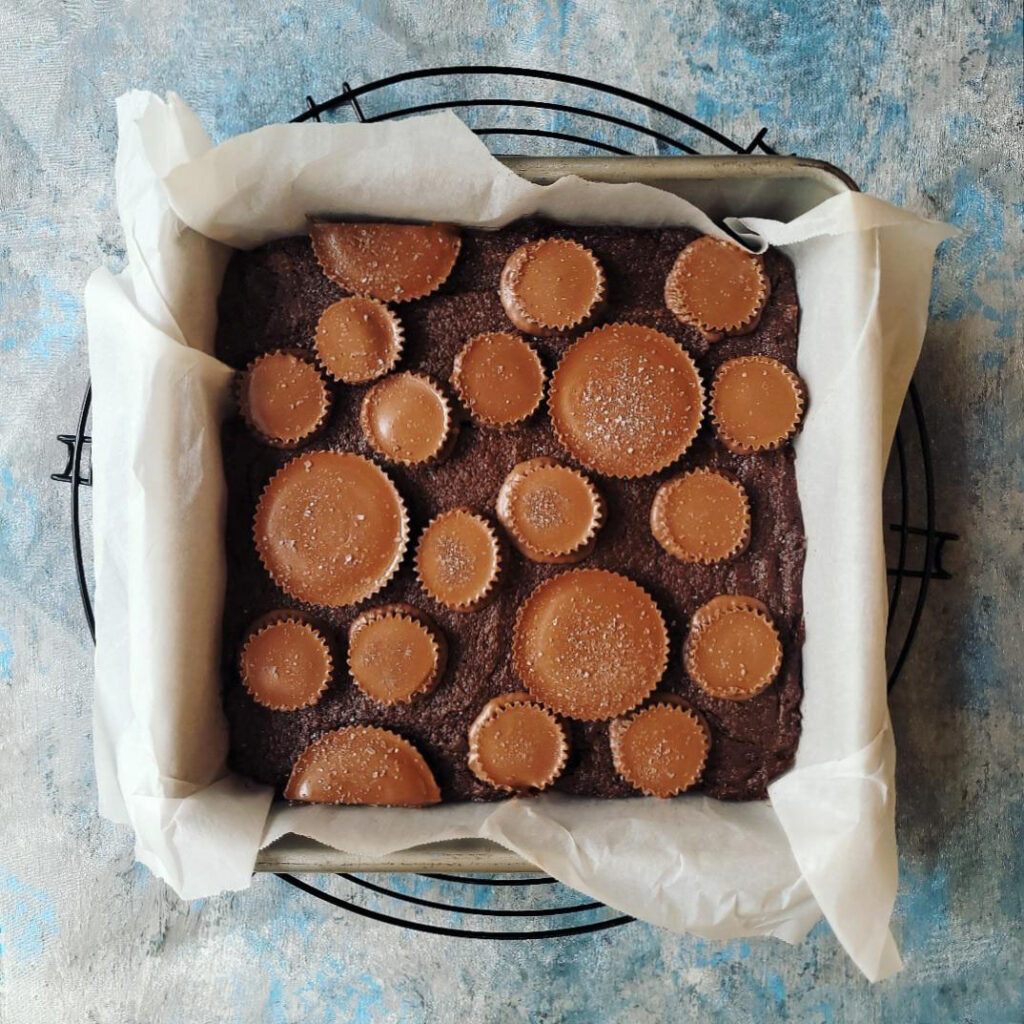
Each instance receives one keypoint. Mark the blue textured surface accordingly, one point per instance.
(922, 104)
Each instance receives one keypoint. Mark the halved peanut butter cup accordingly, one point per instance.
(358, 339)
(551, 512)
(390, 262)
(590, 644)
(458, 559)
(283, 398)
(406, 418)
(733, 650)
(499, 378)
(362, 765)
(756, 404)
(717, 287)
(395, 653)
(701, 516)
(662, 748)
(285, 663)
(552, 285)
(626, 400)
(330, 528)
(517, 745)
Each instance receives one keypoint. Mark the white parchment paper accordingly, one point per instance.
(823, 844)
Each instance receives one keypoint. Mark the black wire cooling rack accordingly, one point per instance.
(910, 492)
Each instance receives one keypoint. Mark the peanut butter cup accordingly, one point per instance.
(733, 650)
(362, 764)
(330, 528)
(458, 559)
(358, 339)
(552, 285)
(701, 516)
(283, 398)
(551, 512)
(662, 748)
(499, 378)
(590, 644)
(756, 404)
(285, 663)
(390, 262)
(626, 400)
(395, 653)
(517, 745)
(406, 418)
(717, 287)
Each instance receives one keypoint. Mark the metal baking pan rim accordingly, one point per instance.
(792, 182)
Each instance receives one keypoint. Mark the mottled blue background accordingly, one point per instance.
(922, 104)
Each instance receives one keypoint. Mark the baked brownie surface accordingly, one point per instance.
(273, 296)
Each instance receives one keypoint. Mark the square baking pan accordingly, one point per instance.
(776, 187)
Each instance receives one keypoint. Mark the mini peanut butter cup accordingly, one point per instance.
(285, 663)
(499, 378)
(756, 404)
(717, 287)
(733, 650)
(551, 512)
(590, 644)
(517, 745)
(395, 653)
(626, 400)
(283, 398)
(458, 559)
(552, 285)
(363, 765)
(701, 516)
(662, 748)
(406, 418)
(330, 528)
(390, 262)
(358, 339)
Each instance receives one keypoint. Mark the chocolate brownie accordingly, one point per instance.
(272, 298)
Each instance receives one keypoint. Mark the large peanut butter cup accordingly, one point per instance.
(590, 644)
(362, 765)
(756, 404)
(390, 262)
(552, 285)
(551, 512)
(733, 650)
(662, 748)
(358, 339)
(330, 528)
(499, 378)
(458, 559)
(517, 745)
(406, 418)
(717, 287)
(626, 400)
(285, 663)
(395, 653)
(283, 398)
(701, 516)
